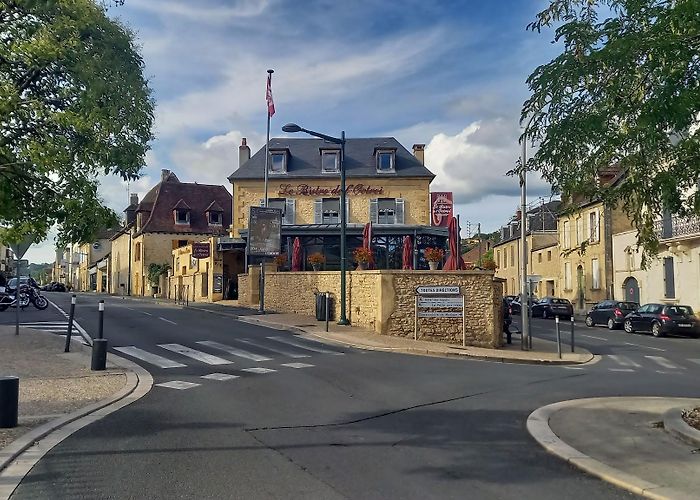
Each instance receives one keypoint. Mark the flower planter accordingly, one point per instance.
(433, 265)
(316, 267)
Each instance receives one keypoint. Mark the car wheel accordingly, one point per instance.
(628, 326)
(656, 330)
(611, 324)
(589, 321)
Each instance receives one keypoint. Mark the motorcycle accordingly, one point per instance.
(8, 299)
(35, 297)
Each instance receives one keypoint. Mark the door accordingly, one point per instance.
(636, 319)
(598, 313)
(580, 286)
(631, 290)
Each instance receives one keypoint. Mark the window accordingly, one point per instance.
(137, 252)
(182, 216)
(498, 258)
(330, 162)
(549, 255)
(278, 162)
(182, 243)
(669, 279)
(539, 257)
(330, 211)
(580, 234)
(567, 235)
(593, 226)
(567, 275)
(512, 255)
(595, 272)
(385, 161)
(387, 210)
(287, 205)
(215, 218)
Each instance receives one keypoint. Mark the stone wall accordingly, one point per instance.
(384, 301)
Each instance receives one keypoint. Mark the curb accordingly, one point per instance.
(675, 425)
(538, 427)
(417, 350)
(20, 456)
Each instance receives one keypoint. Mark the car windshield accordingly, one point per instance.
(628, 305)
(680, 310)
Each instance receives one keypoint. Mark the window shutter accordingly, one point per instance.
(597, 225)
(667, 227)
(374, 210)
(347, 209)
(289, 211)
(669, 284)
(399, 212)
(318, 211)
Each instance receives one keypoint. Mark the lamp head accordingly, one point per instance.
(291, 128)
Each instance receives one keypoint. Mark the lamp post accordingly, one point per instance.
(526, 339)
(293, 128)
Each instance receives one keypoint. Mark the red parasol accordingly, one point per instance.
(454, 261)
(407, 253)
(367, 240)
(296, 255)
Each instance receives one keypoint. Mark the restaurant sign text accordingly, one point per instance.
(309, 190)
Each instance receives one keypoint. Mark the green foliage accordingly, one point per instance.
(625, 92)
(155, 271)
(73, 105)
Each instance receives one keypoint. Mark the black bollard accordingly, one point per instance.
(572, 334)
(556, 318)
(70, 323)
(9, 401)
(101, 309)
(99, 355)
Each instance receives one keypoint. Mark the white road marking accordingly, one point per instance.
(623, 361)
(277, 350)
(209, 359)
(178, 384)
(626, 370)
(664, 362)
(594, 337)
(646, 347)
(79, 328)
(167, 320)
(258, 370)
(232, 350)
(572, 367)
(297, 365)
(220, 376)
(148, 357)
(696, 361)
(293, 342)
(146, 313)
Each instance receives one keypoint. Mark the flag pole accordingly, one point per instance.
(268, 96)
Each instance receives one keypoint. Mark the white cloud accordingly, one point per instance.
(201, 13)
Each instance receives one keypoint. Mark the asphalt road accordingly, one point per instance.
(345, 424)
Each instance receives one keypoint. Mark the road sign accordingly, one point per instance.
(439, 301)
(21, 247)
(534, 278)
(437, 290)
(439, 314)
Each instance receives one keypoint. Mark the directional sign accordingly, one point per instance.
(21, 247)
(439, 301)
(439, 314)
(437, 290)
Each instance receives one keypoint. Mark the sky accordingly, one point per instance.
(448, 74)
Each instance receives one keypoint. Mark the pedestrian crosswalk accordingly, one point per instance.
(620, 363)
(58, 328)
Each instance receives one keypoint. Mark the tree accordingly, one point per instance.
(625, 92)
(73, 105)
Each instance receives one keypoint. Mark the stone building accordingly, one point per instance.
(171, 215)
(543, 251)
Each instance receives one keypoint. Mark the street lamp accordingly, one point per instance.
(526, 338)
(294, 128)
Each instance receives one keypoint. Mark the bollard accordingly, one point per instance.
(9, 401)
(70, 323)
(99, 355)
(558, 336)
(187, 295)
(328, 300)
(572, 334)
(100, 328)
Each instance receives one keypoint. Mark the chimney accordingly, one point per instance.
(134, 199)
(164, 173)
(518, 215)
(131, 209)
(243, 152)
(419, 153)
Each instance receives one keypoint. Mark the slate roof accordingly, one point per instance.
(158, 204)
(304, 160)
(542, 218)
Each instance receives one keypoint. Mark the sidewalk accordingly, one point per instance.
(633, 442)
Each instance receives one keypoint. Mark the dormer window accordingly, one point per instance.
(181, 212)
(214, 219)
(330, 161)
(278, 162)
(215, 214)
(386, 159)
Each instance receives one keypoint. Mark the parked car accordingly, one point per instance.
(610, 312)
(510, 298)
(661, 319)
(516, 306)
(549, 307)
(54, 286)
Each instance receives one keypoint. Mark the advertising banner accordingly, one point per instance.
(264, 231)
(441, 208)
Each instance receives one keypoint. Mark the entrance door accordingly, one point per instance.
(580, 286)
(631, 290)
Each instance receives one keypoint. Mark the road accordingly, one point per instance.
(263, 413)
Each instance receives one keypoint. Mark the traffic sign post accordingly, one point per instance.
(437, 301)
(19, 249)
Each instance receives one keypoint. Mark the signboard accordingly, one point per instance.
(437, 290)
(441, 208)
(309, 190)
(21, 247)
(440, 314)
(201, 250)
(440, 301)
(264, 231)
(534, 278)
(218, 283)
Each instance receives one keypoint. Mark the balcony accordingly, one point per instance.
(677, 228)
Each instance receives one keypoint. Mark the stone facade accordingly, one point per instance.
(384, 301)
(543, 261)
(194, 279)
(120, 281)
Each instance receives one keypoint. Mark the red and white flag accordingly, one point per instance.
(268, 97)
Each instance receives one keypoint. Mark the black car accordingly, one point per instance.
(610, 312)
(516, 307)
(661, 319)
(549, 307)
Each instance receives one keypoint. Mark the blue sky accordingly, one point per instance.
(447, 74)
